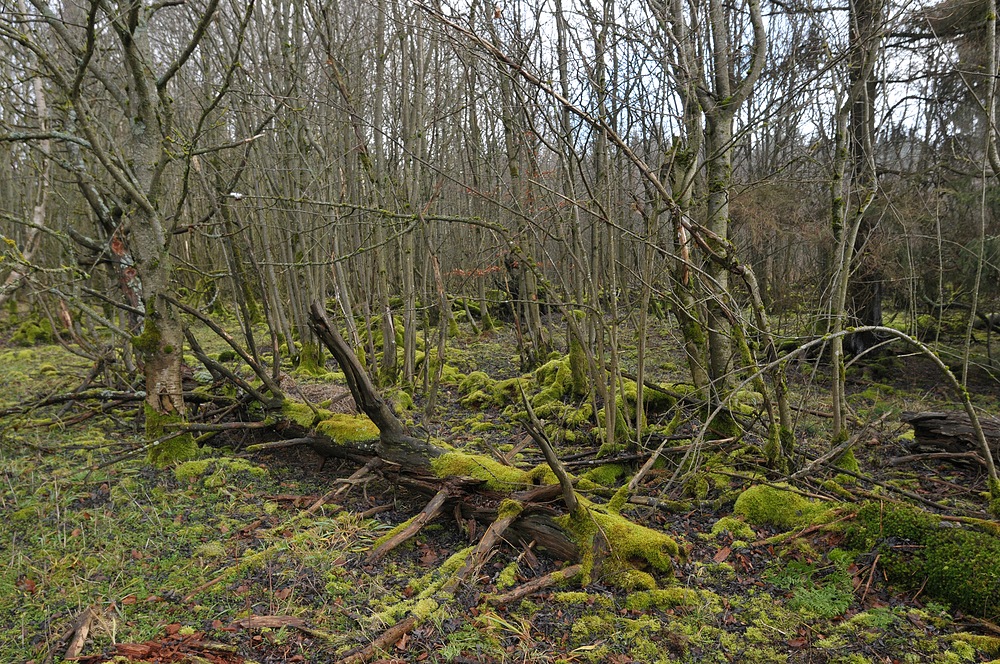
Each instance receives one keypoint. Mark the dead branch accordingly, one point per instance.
(535, 585)
(386, 639)
(426, 515)
(537, 432)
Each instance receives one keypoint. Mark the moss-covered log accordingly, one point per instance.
(480, 487)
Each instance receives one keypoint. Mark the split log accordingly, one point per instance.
(950, 431)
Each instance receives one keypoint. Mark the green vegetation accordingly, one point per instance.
(698, 579)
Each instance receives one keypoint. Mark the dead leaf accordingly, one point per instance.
(129, 599)
(283, 593)
(722, 554)
(136, 554)
(403, 641)
(799, 642)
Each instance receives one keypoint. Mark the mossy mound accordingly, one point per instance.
(494, 474)
(919, 550)
(631, 548)
(780, 507)
(343, 429)
(33, 333)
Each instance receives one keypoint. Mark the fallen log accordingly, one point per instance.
(521, 502)
(950, 431)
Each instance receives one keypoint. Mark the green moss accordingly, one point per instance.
(344, 429)
(33, 333)
(667, 598)
(476, 381)
(177, 448)
(424, 608)
(630, 546)
(147, 343)
(24, 515)
(847, 461)
(311, 360)
(496, 476)
(301, 414)
(630, 579)
(400, 399)
(988, 645)
(605, 475)
(509, 509)
(735, 527)
(580, 385)
(210, 550)
(508, 576)
(951, 564)
(190, 470)
(478, 399)
(779, 507)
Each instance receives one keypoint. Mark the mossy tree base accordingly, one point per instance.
(169, 446)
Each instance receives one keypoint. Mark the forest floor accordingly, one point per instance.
(215, 560)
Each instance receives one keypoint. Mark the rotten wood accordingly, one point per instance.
(951, 431)
(386, 639)
(278, 444)
(932, 456)
(475, 560)
(409, 459)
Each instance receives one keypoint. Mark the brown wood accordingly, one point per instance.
(426, 515)
(950, 431)
(386, 639)
(407, 459)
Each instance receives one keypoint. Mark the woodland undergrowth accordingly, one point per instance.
(247, 552)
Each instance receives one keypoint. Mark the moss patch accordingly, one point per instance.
(494, 474)
(178, 447)
(780, 507)
(343, 429)
(952, 564)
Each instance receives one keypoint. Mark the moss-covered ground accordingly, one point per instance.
(830, 570)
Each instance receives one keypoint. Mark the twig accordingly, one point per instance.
(871, 575)
(537, 432)
(836, 451)
(973, 456)
(345, 485)
(277, 444)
